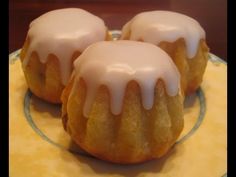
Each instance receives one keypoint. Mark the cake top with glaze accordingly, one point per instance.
(158, 26)
(67, 24)
(62, 32)
(115, 63)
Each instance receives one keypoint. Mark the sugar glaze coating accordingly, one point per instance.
(115, 63)
(158, 26)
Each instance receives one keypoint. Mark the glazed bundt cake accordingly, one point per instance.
(53, 41)
(123, 102)
(180, 36)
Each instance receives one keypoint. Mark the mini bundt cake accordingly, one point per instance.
(180, 36)
(123, 102)
(53, 41)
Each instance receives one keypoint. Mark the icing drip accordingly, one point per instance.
(62, 32)
(157, 26)
(115, 63)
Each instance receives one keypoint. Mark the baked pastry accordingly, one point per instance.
(123, 103)
(180, 36)
(53, 41)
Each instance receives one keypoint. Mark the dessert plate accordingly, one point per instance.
(39, 146)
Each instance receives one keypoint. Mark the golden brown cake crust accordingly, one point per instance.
(44, 79)
(134, 136)
(191, 70)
